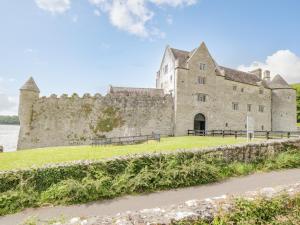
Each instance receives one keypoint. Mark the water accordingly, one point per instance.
(9, 137)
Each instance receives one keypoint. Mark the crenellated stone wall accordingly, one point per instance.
(67, 120)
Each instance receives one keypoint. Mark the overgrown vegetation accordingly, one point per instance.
(281, 210)
(297, 87)
(109, 179)
(9, 120)
(39, 157)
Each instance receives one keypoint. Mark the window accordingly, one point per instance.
(202, 97)
(261, 91)
(235, 106)
(234, 87)
(242, 89)
(226, 125)
(166, 69)
(201, 80)
(249, 107)
(262, 127)
(202, 66)
(261, 108)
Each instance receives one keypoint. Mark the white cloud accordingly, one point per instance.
(283, 62)
(174, 3)
(54, 6)
(134, 16)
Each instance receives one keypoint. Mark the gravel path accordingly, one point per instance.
(111, 207)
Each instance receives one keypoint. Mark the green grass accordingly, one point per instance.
(298, 124)
(39, 157)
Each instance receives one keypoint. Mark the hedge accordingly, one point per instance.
(88, 181)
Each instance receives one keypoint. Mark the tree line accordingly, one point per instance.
(9, 120)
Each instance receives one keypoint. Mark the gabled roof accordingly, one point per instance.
(180, 55)
(30, 85)
(232, 74)
(278, 82)
(240, 76)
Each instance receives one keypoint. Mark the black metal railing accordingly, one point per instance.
(125, 140)
(243, 133)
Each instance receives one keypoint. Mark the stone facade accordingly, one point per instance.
(60, 121)
(225, 97)
(189, 85)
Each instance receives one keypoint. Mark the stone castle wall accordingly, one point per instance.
(61, 121)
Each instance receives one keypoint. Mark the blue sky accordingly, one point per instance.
(83, 46)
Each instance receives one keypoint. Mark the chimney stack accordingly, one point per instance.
(257, 72)
(267, 75)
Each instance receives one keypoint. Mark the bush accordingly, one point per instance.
(80, 183)
(65, 192)
(13, 201)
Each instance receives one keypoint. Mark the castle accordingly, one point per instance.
(192, 92)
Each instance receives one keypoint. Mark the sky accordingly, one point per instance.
(83, 46)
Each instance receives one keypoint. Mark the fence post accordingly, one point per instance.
(223, 133)
(235, 134)
(268, 135)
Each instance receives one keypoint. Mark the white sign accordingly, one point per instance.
(250, 128)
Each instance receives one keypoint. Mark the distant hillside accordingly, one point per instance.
(9, 120)
(297, 86)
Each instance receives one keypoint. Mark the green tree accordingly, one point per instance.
(9, 120)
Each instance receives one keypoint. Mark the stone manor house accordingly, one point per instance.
(192, 92)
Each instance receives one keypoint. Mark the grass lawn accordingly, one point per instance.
(38, 157)
(298, 124)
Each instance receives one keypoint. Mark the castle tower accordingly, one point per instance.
(29, 93)
(283, 105)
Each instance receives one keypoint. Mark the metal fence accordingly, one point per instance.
(243, 133)
(125, 140)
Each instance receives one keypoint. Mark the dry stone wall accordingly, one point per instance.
(60, 121)
(191, 210)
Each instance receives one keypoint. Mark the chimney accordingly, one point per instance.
(267, 75)
(257, 72)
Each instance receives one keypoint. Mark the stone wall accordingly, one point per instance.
(220, 96)
(191, 210)
(60, 121)
(284, 110)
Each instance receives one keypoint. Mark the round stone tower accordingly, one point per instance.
(29, 93)
(284, 106)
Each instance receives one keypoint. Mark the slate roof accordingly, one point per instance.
(180, 55)
(129, 90)
(240, 76)
(30, 85)
(278, 82)
(233, 74)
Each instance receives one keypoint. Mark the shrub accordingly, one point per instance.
(80, 183)
(65, 192)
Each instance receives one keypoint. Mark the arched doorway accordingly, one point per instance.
(199, 122)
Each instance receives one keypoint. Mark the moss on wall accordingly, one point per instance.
(109, 119)
(86, 109)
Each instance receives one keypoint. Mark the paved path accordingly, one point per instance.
(111, 207)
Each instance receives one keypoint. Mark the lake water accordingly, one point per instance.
(9, 137)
